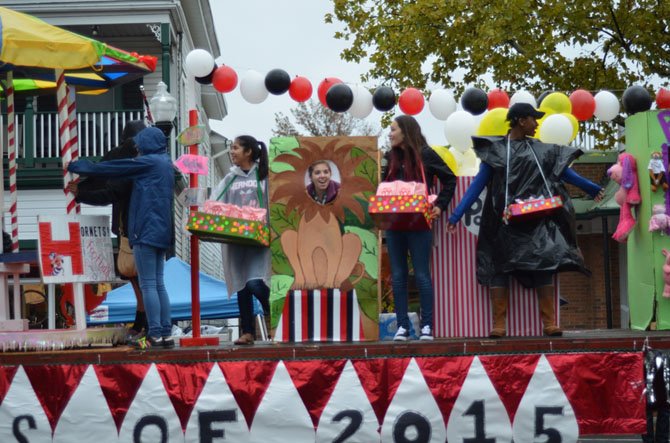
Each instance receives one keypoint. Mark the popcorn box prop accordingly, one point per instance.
(400, 212)
(531, 209)
(226, 229)
(400, 205)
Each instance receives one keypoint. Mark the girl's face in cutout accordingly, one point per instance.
(321, 176)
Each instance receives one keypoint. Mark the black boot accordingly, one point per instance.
(140, 323)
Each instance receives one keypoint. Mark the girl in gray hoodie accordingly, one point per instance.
(246, 269)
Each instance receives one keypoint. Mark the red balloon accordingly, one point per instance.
(324, 86)
(300, 89)
(663, 98)
(497, 99)
(224, 79)
(411, 101)
(583, 104)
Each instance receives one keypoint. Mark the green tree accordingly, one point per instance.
(318, 121)
(532, 44)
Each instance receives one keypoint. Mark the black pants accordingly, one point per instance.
(245, 302)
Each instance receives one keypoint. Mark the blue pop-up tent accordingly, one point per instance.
(119, 305)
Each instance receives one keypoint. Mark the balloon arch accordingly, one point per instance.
(559, 125)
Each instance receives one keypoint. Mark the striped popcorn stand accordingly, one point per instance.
(462, 306)
(320, 315)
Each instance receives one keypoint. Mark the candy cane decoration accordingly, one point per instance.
(11, 135)
(64, 133)
(74, 131)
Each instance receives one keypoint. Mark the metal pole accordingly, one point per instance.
(606, 266)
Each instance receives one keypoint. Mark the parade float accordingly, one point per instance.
(326, 288)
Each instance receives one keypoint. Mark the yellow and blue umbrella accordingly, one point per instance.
(32, 49)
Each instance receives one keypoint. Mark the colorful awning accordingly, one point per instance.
(32, 49)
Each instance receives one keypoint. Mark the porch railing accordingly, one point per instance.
(37, 133)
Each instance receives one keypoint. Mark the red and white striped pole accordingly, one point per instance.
(64, 133)
(11, 135)
(74, 131)
(70, 203)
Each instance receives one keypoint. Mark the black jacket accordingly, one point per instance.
(101, 191)
(433, 167)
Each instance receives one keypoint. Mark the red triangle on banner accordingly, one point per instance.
(444, 377)
(510, 375)
(615, 386)
(380, 378)
(315, 381)
(248, 382)
(6, 377)
(54, 386)
(184, 383)
(119, 385)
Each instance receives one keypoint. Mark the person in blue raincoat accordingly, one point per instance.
(150, 225)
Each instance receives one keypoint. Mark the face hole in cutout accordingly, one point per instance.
(322, 181)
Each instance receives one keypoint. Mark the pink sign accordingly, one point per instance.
(192, 164)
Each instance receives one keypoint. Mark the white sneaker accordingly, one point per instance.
(401, 335)
(426, 333)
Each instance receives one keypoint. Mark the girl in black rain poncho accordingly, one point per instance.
(532, 251)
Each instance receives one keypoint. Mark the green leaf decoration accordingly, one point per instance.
(280, 264)
(278, 167)
(280, 221)
(370, 252)
(367, 168)
(366, 292)
(279, 287)
(282, 145)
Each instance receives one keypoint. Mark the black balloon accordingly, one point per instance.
(277, 81)
(475, 101)
(339, 97)
(383, 99)
(207, 80)
(636, 99)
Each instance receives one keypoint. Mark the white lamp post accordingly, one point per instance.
(163, 109)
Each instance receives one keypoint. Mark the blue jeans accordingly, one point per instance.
(418, 244)
(150, 262)
(245, 302)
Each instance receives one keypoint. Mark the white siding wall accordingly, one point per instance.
(34, 202)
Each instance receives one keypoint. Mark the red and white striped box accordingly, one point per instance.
(320, 315)
(462, 306)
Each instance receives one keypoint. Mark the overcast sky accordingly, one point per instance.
(290, 35)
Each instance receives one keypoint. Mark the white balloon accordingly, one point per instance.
(442, 104)
(523, 97)
(362, 104)
(252, 87)
(556, 129)
(199, 63)
(470, 164)
(459, 129)
(607, 106)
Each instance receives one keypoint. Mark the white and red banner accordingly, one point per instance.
(462, 305)
(75, 248)
(525, 398)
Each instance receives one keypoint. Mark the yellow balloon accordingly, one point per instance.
(557, 101)
(447, 157)
(575, 124)
(547, 111)
(494, 123)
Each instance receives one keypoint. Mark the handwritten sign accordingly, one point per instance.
(192, 164)
(192, 135)
(75, 248)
